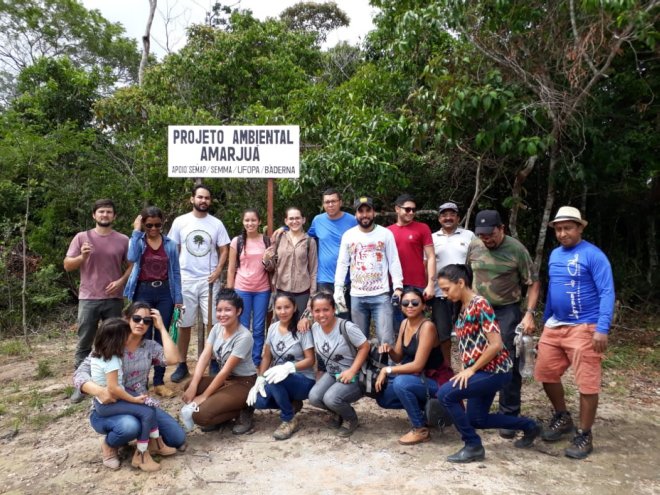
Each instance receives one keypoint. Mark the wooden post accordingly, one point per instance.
(270, 195)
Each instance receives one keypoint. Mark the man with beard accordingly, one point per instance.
(203, 248)
(99, 253)
(370, 251)
(328, 228)
(502, 269)
(450, 244)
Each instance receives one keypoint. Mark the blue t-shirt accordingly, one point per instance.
(581, 288)
(329, 232)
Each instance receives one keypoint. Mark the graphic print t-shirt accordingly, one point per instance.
(332, 348)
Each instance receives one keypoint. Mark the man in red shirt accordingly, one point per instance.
(414, 243)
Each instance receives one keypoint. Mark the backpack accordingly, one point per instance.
(240, 245)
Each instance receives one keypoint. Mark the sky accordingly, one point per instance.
(132, 14)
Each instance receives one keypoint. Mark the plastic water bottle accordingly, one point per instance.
(527, 357)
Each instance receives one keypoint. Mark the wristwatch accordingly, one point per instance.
(388, 370)
(530, 310)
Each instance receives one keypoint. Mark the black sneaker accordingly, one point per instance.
(528, 438)
(347, 428)
(560, 424)
(506, 433)
(581, 446)
(180, 373)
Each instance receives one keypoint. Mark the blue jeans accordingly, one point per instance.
(508, 317)
(364, 309)
(296, 386)
(335, 396)
(480, 392)
(121, 429)
(90, 313)
(408, 392)
(255, 306)
(145, 414)
(330, 287)
(159, 298)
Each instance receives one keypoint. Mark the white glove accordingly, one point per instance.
(258, 388)
(186, 415)
(340, 299)
(278, 373)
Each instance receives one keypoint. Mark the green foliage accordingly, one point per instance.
(13, 347)
(318, 18)
(43, 369)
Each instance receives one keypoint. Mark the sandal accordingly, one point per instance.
(110, 460)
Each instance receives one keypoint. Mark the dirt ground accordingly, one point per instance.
(48, 447)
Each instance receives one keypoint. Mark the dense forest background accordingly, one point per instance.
(517, 105)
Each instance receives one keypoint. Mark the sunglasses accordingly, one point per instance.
(153, 225)
(408, 209)
(410, 302)
(148, 320)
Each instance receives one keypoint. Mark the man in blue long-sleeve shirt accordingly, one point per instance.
(578, 314)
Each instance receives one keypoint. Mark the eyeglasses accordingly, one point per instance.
(153, 225)
(330, 201)
(148, 320)
(408, 209)
(410, 302)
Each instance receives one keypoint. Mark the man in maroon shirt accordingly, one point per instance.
(99, 253)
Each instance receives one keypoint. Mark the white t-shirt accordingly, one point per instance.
(372, 258)
(332, 347)
(285, 348)
(449, 250)
(198, 238)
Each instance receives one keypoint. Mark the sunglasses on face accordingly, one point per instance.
(410, 302)
(148, 320)
(153, 225)
(408, 209)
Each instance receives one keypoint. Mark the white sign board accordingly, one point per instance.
(246, 152)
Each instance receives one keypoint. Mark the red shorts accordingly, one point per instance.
(569, 345)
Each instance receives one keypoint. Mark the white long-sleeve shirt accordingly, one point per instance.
(372, 258)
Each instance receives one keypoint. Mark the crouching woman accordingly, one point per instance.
(220, 398)
(487, 367)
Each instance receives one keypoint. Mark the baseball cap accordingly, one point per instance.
(363, 200)
(447, 206)
(566, 213)
(486, 222)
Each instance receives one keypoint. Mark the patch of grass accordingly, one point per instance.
(40, 420)
(68, 390)
(36, 400)
(3, 409)
(630, 356)
(43, 369)
(13, 347)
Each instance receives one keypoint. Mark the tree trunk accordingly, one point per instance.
(549, 199)
(146, 41)
(521, 177)
(24, 287)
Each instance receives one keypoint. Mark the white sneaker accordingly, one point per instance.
(186, 415)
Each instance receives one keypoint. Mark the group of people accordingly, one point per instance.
(330, 289)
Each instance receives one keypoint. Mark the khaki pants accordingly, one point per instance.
(226, 402)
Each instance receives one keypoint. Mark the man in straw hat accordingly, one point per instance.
(577, 317)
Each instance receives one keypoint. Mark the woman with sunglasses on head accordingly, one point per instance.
(139, 355)
(417, 349)
(155, 277)
(286, 374)
(293, 260)
(487, 367)
(213, 400)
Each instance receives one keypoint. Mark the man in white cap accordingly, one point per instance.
(450, 244)
(577, 316)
